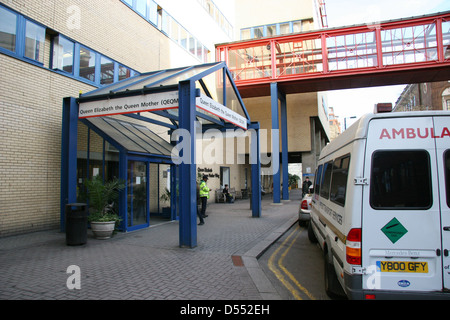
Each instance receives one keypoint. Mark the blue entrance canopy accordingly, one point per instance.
(211, 81)
(128, 111)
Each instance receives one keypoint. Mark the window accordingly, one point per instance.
(447, 175)
(259, 32)
(34, 41)
(8, 26)
(285, 28)
(297, 26)
(165, 23)
(271, 30)
(317, 180)
(205, 54)
(63, 52)
(87, 64)
(141, 7)
(401, 180)
(124, 73)
(326, 180)
(246, 34)
(107, 71)
(184, 36)
(174, 30)
(153, 12)
(339, 180)
(192, 45)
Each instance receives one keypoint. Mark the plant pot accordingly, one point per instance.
(103, 230)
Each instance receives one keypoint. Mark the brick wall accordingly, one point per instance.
(31, 100)
(30, 148)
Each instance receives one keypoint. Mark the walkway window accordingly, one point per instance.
(34, 41)
(87, 64)
(8, 26)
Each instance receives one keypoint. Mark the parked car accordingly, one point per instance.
(304, 209)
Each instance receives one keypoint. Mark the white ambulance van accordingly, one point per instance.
(381, 207)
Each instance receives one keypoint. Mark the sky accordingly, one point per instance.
(357, 102)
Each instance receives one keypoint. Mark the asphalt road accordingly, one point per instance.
(295, 266)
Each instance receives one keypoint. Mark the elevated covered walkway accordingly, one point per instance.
(392, 52)
(410, 50)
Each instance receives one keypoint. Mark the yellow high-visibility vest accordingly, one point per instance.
(204, 190)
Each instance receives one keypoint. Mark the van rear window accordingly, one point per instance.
(401, 180)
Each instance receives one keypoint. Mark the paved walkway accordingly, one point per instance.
(149, 264)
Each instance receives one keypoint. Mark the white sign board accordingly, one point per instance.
(217, 109)
(154, 102)
(133, 104)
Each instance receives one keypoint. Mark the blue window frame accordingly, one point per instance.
(24, 39)
(63, 54)
(34, 41)
(164, 22)
(106, 71)
(153, 12)
(88, 61)
(141, 8)
(8, 29)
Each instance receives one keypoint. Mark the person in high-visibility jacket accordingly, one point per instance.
(204, 196)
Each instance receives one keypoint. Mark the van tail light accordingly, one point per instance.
(304, 205)
(353, 246)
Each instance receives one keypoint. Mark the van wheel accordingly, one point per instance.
(332, 286)
(311, 235)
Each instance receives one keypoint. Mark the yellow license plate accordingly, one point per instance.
(402, 266)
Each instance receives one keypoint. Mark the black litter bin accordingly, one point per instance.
(76, 224)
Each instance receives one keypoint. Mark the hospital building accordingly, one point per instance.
(59, 56)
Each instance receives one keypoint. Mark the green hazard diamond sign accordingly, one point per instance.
(394, 230)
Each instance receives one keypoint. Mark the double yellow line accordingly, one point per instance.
(280, 271)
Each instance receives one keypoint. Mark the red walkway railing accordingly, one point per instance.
(406, 44)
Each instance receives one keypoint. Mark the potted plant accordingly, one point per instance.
(101, 197)
(165, 197)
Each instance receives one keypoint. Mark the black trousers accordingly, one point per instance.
(199, 214)
(204, 200)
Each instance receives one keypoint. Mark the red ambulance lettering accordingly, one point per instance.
(413, 133)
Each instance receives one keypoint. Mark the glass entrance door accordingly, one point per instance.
(138, 214)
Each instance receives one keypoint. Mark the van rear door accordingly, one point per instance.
(442, 133)
(401, 237)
